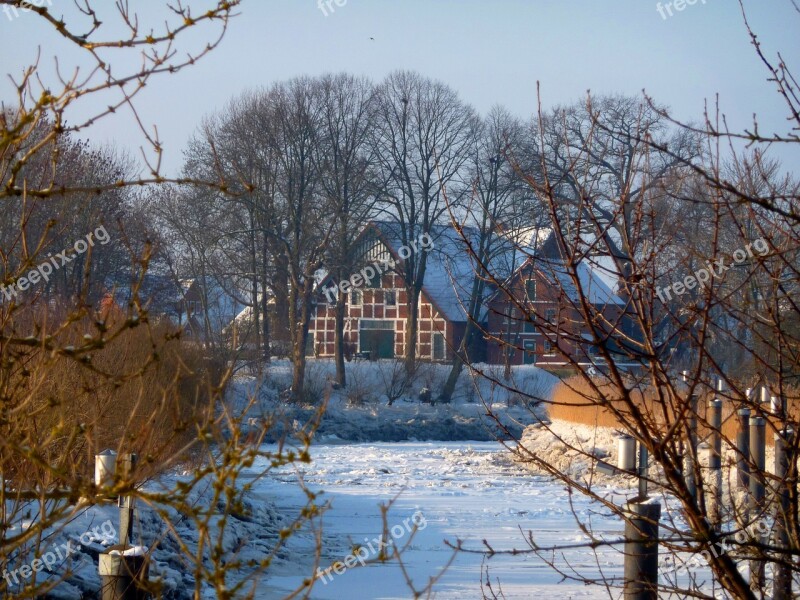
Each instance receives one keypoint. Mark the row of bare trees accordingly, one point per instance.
(310, 162)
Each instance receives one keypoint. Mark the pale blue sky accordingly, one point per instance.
(490, 51)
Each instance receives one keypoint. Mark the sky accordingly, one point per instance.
(489, 51)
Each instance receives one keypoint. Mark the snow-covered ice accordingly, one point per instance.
(466, 491)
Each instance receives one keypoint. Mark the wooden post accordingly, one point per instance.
(743, 447)
(126, 503)
(715, 462)
(758, 460)
(691, 454)
(641, 551)
(782, 581)
(643, 460)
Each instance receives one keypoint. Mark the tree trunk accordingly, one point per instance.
(282, 322)
(266, 341)
(301, 321)
(461, 357)
(462, 354)
(254, 283)
(412, 327)
(341, 308)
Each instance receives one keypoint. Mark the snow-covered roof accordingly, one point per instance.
(451, 264)
(592, 286)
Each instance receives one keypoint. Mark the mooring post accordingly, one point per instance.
(123, 570)
(641, 550)
(643, 460)
(626, 453)
(123, 574)
(777, 406)
(743, 447)
(691, 454)
(105, 468)
(715, 462)
(758, 460)
(127, 502)
(782, 580)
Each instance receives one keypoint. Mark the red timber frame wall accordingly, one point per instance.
(522, 341)
(380, 305)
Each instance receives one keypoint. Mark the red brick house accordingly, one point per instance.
(542, 325)
(376, 309)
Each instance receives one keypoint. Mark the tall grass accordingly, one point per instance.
(145, 391)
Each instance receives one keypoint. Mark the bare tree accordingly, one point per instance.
(423, 137)
(348, 180)
(500, 204)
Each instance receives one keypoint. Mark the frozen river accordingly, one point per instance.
(466, 491)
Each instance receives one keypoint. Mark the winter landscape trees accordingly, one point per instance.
(668, 247)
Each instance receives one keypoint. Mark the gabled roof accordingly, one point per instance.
(451, 264)
(550, 259)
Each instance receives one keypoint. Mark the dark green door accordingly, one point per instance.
(377, 338)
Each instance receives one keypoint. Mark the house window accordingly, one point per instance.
(511, 315)
(530, 290)
(529, 354)
(355, 298)
(548, 348)
(390, 298)
(374, 282)
(550, 315)
(438, 346)
(529, 326)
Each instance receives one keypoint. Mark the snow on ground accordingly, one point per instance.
(361, 412)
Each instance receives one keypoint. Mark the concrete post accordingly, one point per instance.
(626, 456)
(641, 551)
(123, 577)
